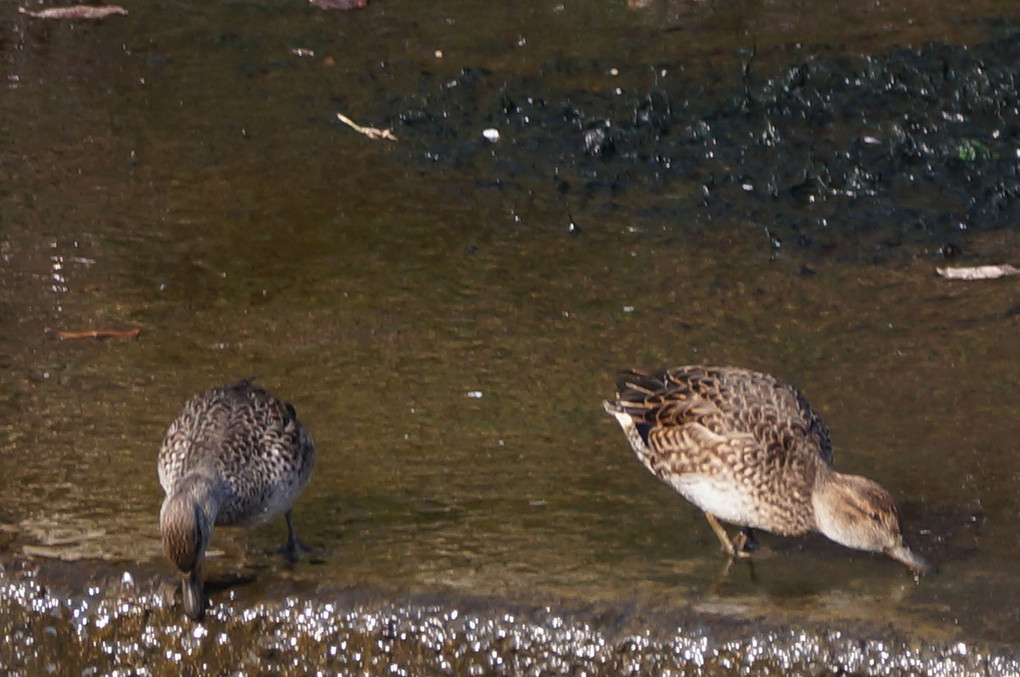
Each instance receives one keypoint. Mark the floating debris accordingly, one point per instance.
(978, 272)
(491, 135)
(475, 394)
(75, 12)
(94, 333)
(342, 5)
(302, 51)
(370, 132)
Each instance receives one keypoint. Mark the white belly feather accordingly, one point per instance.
(721, 499)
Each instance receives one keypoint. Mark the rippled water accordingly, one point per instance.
(362, 634)
(448, 341)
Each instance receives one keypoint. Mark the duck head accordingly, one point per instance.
(186, 521)
(858, 513)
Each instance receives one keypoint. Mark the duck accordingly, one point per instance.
(747, 449)
(234, 456)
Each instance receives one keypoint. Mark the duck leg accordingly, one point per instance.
(745, 543)
(724, 539)
(294, 548)
(742, 544)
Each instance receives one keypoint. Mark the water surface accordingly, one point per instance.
(448, 338)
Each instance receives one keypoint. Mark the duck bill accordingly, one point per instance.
(904, 554)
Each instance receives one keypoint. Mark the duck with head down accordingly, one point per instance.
(235, 455)
(748, 449)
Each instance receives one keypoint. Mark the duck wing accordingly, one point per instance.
(727, 402)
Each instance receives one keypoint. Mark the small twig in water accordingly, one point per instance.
(370, 132)
(94, 333)
(978, 272)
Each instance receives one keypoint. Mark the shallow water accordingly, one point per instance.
(448, 337)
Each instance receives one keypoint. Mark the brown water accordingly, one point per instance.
(449, 344)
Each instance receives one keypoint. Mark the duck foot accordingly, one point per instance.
(742, 545)
(294, 549)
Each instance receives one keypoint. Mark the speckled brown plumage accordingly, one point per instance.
(235, 455)
(748, 448)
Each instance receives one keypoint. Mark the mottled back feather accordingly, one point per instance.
(248, 439)
(726, 400)
(737, 428)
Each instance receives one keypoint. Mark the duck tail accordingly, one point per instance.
(634, 427)
(635, 387)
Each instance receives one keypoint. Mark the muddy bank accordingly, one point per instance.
(903, 153)
(118, 621)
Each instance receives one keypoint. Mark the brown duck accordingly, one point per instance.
(748, 449)
(235, 455)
